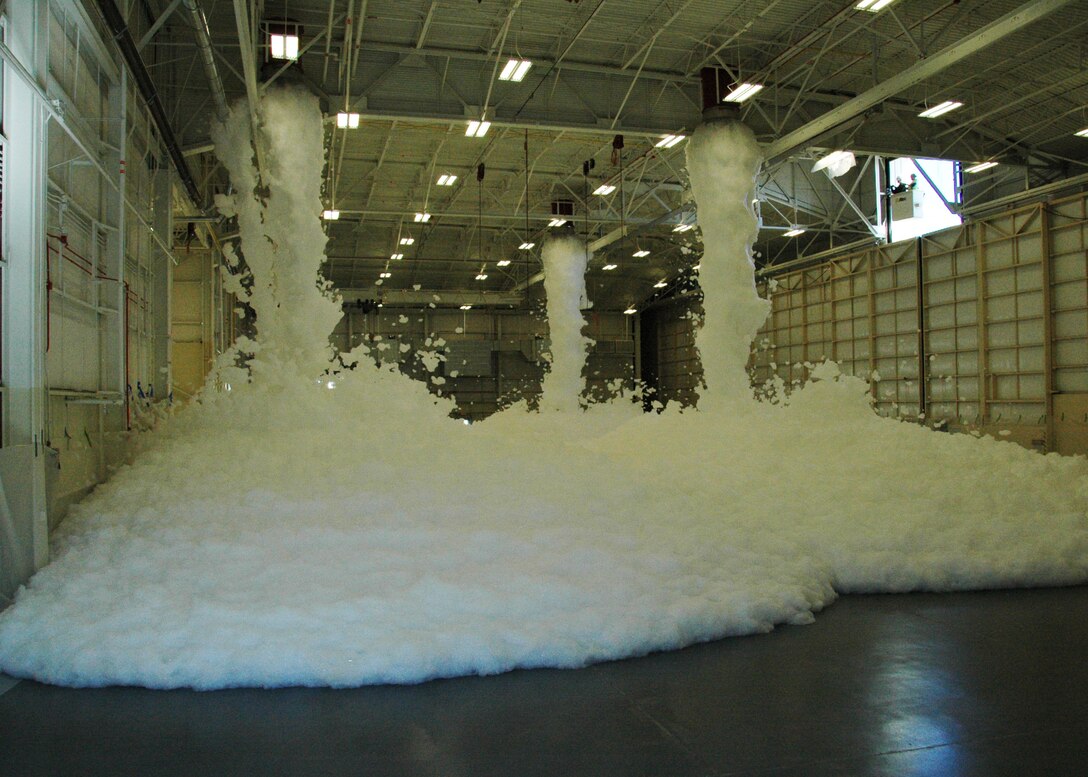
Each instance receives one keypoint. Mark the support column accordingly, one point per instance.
(161, 283)
(1048, 326)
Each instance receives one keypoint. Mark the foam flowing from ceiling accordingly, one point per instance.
(325, 526)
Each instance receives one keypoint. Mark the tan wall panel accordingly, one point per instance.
(1071, 423)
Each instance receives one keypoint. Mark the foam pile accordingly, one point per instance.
(287, 534)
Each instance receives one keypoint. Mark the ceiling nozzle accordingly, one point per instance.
(716, 84)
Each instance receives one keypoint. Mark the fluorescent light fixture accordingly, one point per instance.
(669, 141)
(330, 215)
(604, 189)
(477, 129)
(1082, 134)
(397, 257)
(284, 46)
(836, 163)
(660, 285)
(515, 70)
(681, 228)
(742, 92)
(526, 246)
(503, 263)
(640, 254)
(795, 232)
(557, 222)
(940, 110)
(347, 120)
(466, 307)
(447, 180)
(630, 312)
(980, 167)
(385, 275)
(422, 218)
(610, 267)
(696, 266)
(481, 276)
(407, 241)
(873, 5)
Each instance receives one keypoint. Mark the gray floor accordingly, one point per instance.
(989, 684)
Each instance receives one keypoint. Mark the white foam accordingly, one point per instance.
(565, 260)
(284, 533)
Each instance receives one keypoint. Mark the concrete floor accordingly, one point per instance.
(987, 684)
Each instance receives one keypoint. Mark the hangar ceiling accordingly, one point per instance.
(418, 70)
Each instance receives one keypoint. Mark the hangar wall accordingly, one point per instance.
(492, 358)
(86, 268)
(979, 327)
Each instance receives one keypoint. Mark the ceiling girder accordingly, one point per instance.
(926, 68)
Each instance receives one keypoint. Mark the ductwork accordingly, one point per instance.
(119, 28)
(207, 57)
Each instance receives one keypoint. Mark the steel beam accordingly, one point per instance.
(986, 36)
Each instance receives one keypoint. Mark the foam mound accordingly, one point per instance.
(289, 533)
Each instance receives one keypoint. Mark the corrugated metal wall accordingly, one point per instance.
(102, 261)
(995, 337)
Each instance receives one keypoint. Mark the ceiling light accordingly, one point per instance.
(557, 222)
(940, 110)
(347, 120)
(526, 246)
(466, 307)
(447, 180)
(284, 46)
(423, 217)
(1082, 134)
(873, 5)
(503, 263)
(630, 312)
(980, 167)
(795, 231)
(696, 266)
(407, 241)
(669, 141)
(481, 276)
(836, 163)
(604, 189)
(681, 228)
(743, 92)
(515, 70)
(477, 129)
(330, 215)
(385, 275)
(660, 285)
(610, 267)
(397, 257)
(640, 254)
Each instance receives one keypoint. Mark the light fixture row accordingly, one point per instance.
(873, 5)
(346, 120)
(283, 46)
(515, 70)
(940, 110)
